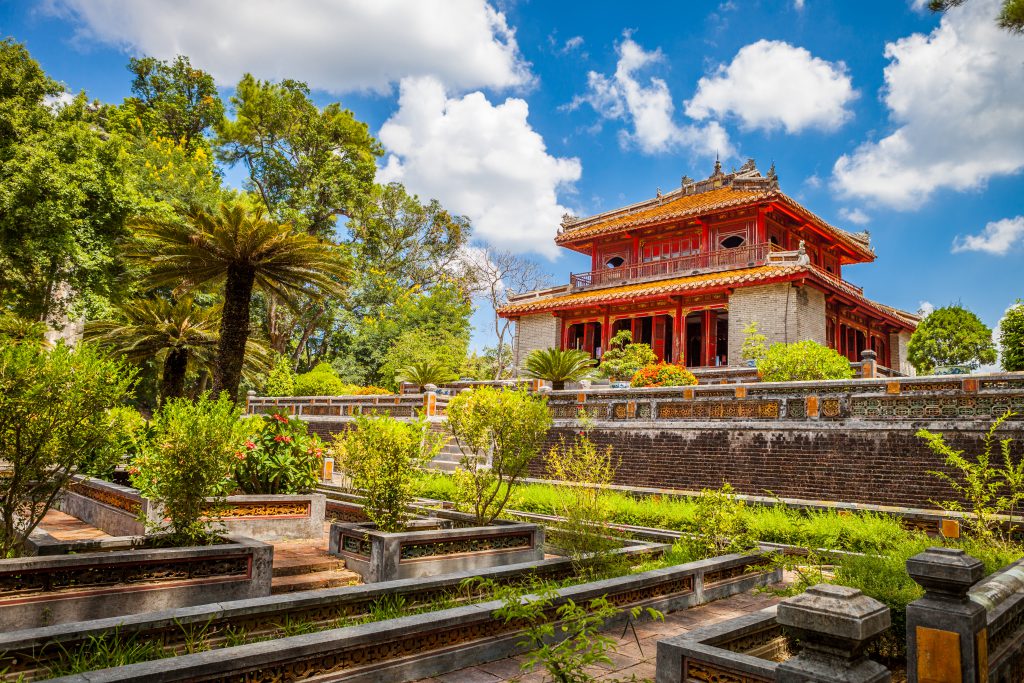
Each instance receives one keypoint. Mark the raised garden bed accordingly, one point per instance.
(119, 510)
(124, 577)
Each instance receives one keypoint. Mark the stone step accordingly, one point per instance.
(442, 466)
(314, 581)
(325, 564)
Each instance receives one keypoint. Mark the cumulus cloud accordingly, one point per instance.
(855, 216)
(954, 96)
(771, 84)
(334, 46)
(60, 101)
(998, 237)
(925, 308)
(798, 5)
(647, 107)
(481, 160)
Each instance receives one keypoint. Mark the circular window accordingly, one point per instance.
(614, 262)
(732, 241)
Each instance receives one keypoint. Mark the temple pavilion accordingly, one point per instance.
(690, 269)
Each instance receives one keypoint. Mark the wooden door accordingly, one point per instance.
(658, 337)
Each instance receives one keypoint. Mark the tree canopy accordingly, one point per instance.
(951, 335)
(1011, 338)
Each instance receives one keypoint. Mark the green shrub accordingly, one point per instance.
(320, 381)
(802, 361)
(754, 347)
(1011, 338)
(190, 459)
(499, 432)
(663, 375)
(281, 380)
(53, 417)
(382, 454)
(128, 432)
(623, 358)
(559, 366)
(278, 457)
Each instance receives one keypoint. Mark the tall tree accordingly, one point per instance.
(174, 100)
(495, 276)
(1011, 338)
(951, 335)
(64, 196)
(307, 165)
(238, 249)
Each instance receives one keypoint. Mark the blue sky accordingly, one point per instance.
(878, 115)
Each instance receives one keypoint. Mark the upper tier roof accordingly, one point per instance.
(719, 192)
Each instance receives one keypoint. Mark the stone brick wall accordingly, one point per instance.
(534, 332)
(898, 342)
(843, 462)
(783, 313)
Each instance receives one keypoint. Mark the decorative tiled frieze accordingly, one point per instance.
(107, 497)
(237, 510)
(703, 410)
(935, 407)
(439, 548)
(705, 672)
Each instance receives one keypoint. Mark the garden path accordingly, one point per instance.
(64, 527)
(629, 659)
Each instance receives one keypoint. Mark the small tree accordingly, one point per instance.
(382, 454)
(320, 381)
(281, 380)
(719, 523)
(802, 361)
(424, 372)
(53, 416)
(189, 461)
(623, 358)
(951, 335)
(1011, 337)
(754, 347)
(279, 456)
(499, 432)
(559, 366)
(977, 482)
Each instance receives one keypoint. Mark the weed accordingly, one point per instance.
(105, 651)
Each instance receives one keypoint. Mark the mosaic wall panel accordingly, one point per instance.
(297, 508)
(909, 387)
(706, 672)
(51, 579)
(732, 573)
(356, 545)
(831, 407)
(796, 408)
(644, 411)
(935, 407)
(419, 551)
(705, 410)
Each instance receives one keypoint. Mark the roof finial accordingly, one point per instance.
(718, 166)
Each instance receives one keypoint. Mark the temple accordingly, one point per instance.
(690, 269)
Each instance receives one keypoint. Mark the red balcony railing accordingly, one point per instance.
(722, 259)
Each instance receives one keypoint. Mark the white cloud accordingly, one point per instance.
(481, 160)
(956, 100)
(648, 107)
(336, 46)
(998, 237)
(925, 308)
(855, 216)
(771, 84)
(60, 101)
(573, 43)
(813, 181)
(798, 5)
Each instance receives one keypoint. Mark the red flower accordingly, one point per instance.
(280, 418)
(281, 438)
(240, 455)
(250, 445)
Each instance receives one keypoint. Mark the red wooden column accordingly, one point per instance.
(709, 338)
(677, 334)
(658, 336)
(606, 331)
(762, 225)
(635, 329)
(593, 256)
(563, 333)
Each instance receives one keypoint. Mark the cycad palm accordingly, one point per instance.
(559, 366)
(180, 331)
(422, 373)
(239, 249)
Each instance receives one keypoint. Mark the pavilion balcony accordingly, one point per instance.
(694, 264)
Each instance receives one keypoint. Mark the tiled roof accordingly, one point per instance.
(696, 283)
(626, 292)
(672, 207)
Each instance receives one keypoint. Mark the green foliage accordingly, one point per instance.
(424, 372)
(583, 505)
(802, 361)
(189, 460)
(720, 525)
(559, 366)
(278, 457)
(306, 163)
(1011, 338)
(1011, 14)
(565, 638)
(174, 100)
(64, 195)
(754, 346)
(663, 375)
(107, 650)
(240, 250)
(951, 335)
(381, 454)
(320, 381)
(623, 358)
(979, 481)
(53, 417)
(499, 432)
(128, 434)
(281, 380)
(17, 330)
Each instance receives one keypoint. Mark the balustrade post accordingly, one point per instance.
(946, 636)
(834, 625)
(430, 400)
(869, 363)
(249, 396)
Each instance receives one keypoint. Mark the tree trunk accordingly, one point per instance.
(172, 385)
(234, 331)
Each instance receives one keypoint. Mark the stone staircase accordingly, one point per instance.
(448, 459)
(302, 567)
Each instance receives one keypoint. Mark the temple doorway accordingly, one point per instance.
(706, 338)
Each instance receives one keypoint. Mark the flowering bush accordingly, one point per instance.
(802, 361)
(278, 456)
(663, 375)
(188, 460)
